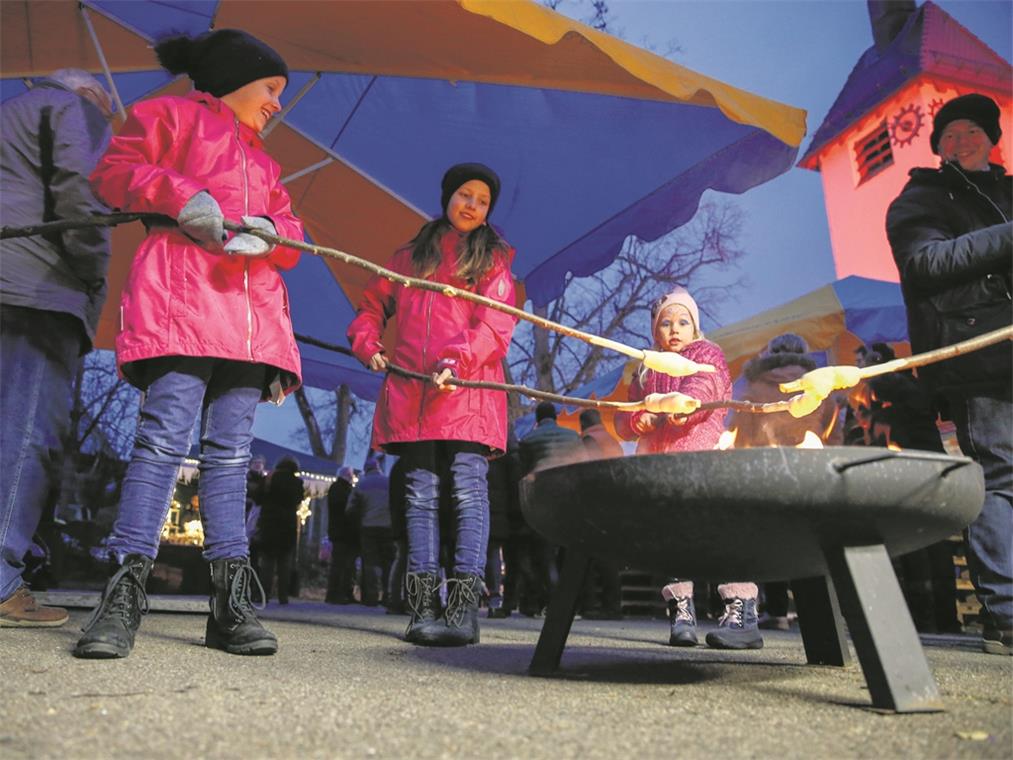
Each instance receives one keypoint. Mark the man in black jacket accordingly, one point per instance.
(52, 288)
(952, 240)
(548, 445)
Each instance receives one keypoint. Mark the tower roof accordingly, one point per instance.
(930, 42)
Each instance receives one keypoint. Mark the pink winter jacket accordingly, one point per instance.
(701, 430)
(432, 327)
(180, 299)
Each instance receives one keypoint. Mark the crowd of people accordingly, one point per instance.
(205, 333)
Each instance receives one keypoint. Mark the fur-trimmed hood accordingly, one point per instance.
(763, 364)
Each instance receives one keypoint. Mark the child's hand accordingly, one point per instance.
(202, 221)
(644, 423)
(246, 244)
(378, 361)
(440, 379)
(671, 403)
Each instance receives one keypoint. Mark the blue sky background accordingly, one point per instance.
(799, 52)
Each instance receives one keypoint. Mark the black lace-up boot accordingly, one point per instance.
(232, 625)
(110, 630)
(461, 615)
(424, 625)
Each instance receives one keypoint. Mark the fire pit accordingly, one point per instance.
(805, 515)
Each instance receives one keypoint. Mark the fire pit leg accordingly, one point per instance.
(559, 616)
(820, 621)
(881, 628)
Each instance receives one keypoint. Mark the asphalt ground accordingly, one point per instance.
(344, 685)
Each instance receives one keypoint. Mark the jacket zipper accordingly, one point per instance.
(991, 203)
(425, 345)
(246, 260)
(1009, 296)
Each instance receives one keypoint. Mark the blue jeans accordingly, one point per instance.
(985, 431)
(39, 354)
(178, 387)
(428, 464)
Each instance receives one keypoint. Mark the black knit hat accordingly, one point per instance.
(220, 62)
(980, 109)
(458, 174)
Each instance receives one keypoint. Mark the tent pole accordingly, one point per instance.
(308, 170)
(121, 111)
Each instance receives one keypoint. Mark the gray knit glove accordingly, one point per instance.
(246, 244)
(202, 221)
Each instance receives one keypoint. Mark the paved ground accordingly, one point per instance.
(344, 685)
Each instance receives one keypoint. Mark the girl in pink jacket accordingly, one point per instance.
(675, 322)
(445, 434)
(204, 322)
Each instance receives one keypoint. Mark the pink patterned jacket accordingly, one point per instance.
(700, 430)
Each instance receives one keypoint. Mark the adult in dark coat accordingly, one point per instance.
(900, 413)
(371, 502)
(343, 536)
(278, 527)
(52, 288)
(952, 241)
(503, 502)
(599, 444)
(396, 598)
(548, 445)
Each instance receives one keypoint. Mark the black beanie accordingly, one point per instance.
(458, 174)
(980, 109)
(220, 62)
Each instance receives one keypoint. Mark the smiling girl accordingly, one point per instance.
(444, 434)
(204, 322)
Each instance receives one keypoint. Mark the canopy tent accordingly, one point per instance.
(834, 320)
(595, 139)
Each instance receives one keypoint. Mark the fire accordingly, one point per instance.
(811, 441)
(727, 439)
(893, 446)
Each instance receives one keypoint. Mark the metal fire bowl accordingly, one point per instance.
(752, 514)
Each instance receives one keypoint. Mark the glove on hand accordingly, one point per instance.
(201, 220)
(246, 244)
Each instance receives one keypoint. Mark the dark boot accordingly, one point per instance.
(232, 625)
(425, 625)
(110, 630)
(737, 628)
(682, 614)
(461, 615)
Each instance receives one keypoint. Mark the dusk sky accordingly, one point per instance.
(797, 52)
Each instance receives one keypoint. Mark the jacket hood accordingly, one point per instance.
(763, 364)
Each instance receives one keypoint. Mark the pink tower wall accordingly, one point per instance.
(856, 213)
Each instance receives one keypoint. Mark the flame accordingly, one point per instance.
(811, 441)
(727, 439)
(893, 446)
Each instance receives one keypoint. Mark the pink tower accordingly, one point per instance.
(878, 128)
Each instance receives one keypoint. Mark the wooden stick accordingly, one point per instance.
(668, 364)
(587, 403)
(939, 354)
(98, 220)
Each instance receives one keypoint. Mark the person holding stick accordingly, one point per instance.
(444, 433)
(675, 321)
(205, 325)
(952, 241)
(52, 288)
